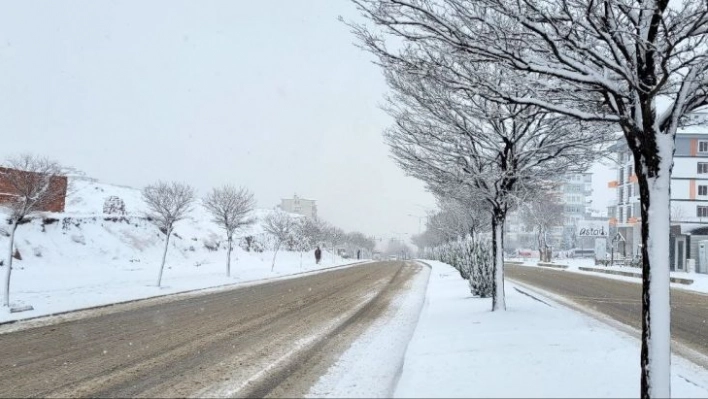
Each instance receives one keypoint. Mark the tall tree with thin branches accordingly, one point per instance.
(640, 65)
(167, 203)
(33, 183)
(450, 135)
(230, 208)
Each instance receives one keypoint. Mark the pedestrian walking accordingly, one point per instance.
(318, 255)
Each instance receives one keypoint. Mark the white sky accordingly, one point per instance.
(272, 95)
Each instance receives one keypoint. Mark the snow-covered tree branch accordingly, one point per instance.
(167, 203)
(32, 183)
(282, 227)
(231, 208)
(640, 65)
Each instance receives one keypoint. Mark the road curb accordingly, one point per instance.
(553, 265)
(678, 280)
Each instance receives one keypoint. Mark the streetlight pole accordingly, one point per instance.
(420, 218)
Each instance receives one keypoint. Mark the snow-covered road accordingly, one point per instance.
(272, 337)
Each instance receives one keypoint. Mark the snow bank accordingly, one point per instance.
(84, 258)
(700, 281)
(534, 349)
(362, 371)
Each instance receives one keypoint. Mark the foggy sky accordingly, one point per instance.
(272, 95)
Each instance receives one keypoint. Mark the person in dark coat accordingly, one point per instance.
(318, 255)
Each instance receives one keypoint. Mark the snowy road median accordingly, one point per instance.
(534, 349)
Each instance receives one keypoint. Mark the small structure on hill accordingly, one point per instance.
(114, 206)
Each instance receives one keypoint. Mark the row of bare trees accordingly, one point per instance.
(538, 74)
(303, 234)
(29, 185)
(231, 209)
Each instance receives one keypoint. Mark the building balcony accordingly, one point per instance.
(613, 184)
(613, 221)
(633, 179)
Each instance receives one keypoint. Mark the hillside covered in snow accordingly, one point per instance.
(85, 257)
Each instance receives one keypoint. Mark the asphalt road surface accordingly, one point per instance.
(261, 340)
(621, 300)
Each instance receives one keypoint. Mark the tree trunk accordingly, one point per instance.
(272, 267)
(228, 256)
(300, 259)
(498, 299)
(540, 244)
(8, 266)
(656, 306)
(164, 257)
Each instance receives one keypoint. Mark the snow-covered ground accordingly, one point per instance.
(700, 281)
(459, 348)
(83, 258)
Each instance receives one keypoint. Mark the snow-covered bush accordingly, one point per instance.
(114, 205)
(472, 258)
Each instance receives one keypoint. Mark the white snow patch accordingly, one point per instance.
(84, 258)
(462, 349)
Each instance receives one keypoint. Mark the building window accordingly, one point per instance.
(703, 146)
(621, 195)
(621, 214)
(621, 176)
(702, 167)
(702, 190)
(702, 211)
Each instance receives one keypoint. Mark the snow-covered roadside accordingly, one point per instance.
(56, 290)
(534, 349)
(700, 281)
(370, 367)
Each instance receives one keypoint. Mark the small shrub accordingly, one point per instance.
(78, 238)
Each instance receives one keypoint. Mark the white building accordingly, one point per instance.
(301, 206)
(574, 191)
(689, 199)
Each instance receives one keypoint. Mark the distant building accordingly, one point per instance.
(301, 206)
(574, 191)
(57, 184)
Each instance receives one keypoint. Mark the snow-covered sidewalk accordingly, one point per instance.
(534, 349)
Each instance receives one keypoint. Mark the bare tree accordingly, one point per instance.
(449, 138)
(281, 226)
(612, 61)
(335, 236)
(230, 207)
(30, 183)
(307, 232)
(167, 203)
(542, 213)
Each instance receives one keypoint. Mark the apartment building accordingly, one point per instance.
(574, 191)
(301, 206)
(689, 199)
